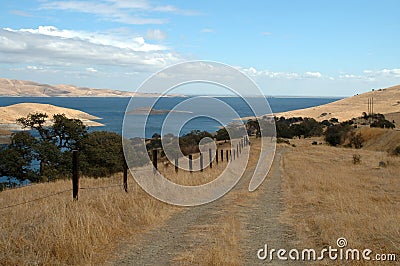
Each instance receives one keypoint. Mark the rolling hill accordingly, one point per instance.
(22, 88)
(9, 114)
(386, 101)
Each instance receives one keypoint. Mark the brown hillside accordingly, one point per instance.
(11, 87)
(379, 139)
(386, 101)
(9, 114)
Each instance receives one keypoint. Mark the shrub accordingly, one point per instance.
(283, 130)
(336, 134)
(356, 158)
(382, 123)
(326, 123)
(297, 126)
(356, 140)
(281, 140)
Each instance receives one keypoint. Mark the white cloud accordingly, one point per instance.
(48, 45)
(395, 72)
(266, 33)
(351, 76)
(374, 75)
(34, 68)
(135, 43)
(91, 70)
(312, 75)
(123, 11)
(251, 71)
(156, 34)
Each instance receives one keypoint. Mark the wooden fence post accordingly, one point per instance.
(176, 163)
(125, 176)
(230, 155)
(216, 156)
(234, 154)
(237, 150)
(201, 161)
(190, 163)
(222, 155)
(75, 175)
(210, 157)
(155, 158)
(227, 155)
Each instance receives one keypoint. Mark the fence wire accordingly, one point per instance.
(55, 194)
(100, 187)
(36, 199)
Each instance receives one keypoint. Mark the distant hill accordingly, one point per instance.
(9, 114)
(386, 101)
(11, 87)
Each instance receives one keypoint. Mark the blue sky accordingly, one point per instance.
(310, 48)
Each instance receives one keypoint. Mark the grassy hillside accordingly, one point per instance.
(327, 197)
(386, 101)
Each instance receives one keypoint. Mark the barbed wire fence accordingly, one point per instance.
(75, 173)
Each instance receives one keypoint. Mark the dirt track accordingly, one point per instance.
(185, 232)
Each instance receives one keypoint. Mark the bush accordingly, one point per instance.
(382, 123)
(326, 123)
(283, 130)
(356, 140)
(281, 140)
(356, 158)
(335, 135)
(297, 126)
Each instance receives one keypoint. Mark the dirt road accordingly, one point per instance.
(187, 232)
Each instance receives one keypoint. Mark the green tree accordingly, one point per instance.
(55, 142)
(16, 159)
(101, 154)
(253, 128)
(222, 134)
(67, 132)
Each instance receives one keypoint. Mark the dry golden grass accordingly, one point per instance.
(225, 249)
(380, 139)
(394, 117)
(59, 231)
(327, 197)
(385, 101)
(9, 114)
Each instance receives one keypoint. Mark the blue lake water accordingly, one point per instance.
(111, 110)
